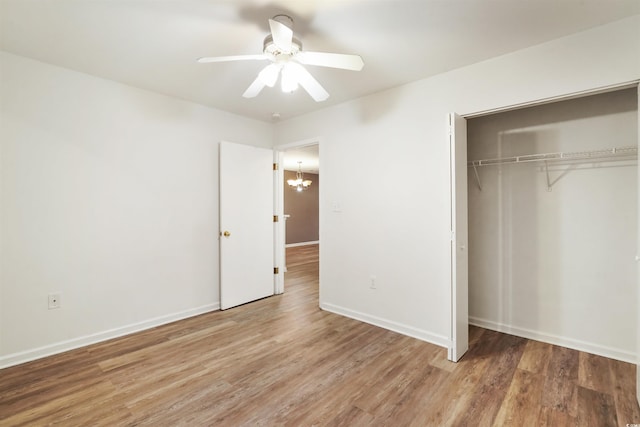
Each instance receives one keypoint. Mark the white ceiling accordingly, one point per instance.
(154, 44)
(307, 156)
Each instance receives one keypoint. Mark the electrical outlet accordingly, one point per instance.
(372, 284)
(54, 301)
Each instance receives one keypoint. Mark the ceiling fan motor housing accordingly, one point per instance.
(270, 48)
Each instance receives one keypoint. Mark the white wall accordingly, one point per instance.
(109, 195)
(556, 266)
(395, 218)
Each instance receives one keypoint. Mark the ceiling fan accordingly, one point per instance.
(287, 58)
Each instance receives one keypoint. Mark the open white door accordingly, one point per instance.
(459, 238)
(246, 224)
(280, 227)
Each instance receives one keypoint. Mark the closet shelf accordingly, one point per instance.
(619, 153)
(609, 154)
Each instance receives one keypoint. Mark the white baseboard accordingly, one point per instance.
(72, 344)
(410, 331)
(600, 350)
(293, 245)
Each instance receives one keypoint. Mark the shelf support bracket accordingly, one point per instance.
(546, 169)
(475, 171)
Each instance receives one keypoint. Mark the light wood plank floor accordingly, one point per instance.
(282, 361)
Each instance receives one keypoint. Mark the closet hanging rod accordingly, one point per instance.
(619, 153)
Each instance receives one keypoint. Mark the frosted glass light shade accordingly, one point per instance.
(269, 74)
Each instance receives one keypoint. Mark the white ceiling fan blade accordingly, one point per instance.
(282, 35)
(255, 88)
(309, 83)
(333, 60)
(232, 58)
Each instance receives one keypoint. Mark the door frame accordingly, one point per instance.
(279, 230)
(638, 270)
(453, 288)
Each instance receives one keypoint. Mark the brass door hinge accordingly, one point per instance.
(275, 166)
(276, 270)
(275, 218)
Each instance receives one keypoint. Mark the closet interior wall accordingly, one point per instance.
(557, 266)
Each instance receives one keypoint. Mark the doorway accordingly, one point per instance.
(300, 210)
(552, 222)
(301, 196)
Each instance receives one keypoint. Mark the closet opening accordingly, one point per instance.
(553, 222)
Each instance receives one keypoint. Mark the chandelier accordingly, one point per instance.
(299, 183)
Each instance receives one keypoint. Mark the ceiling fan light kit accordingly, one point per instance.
(269, 75)
(290, 78)
(287, 59)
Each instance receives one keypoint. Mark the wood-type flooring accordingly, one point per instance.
(283, 361)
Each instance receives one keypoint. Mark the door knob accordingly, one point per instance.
(226, 234)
